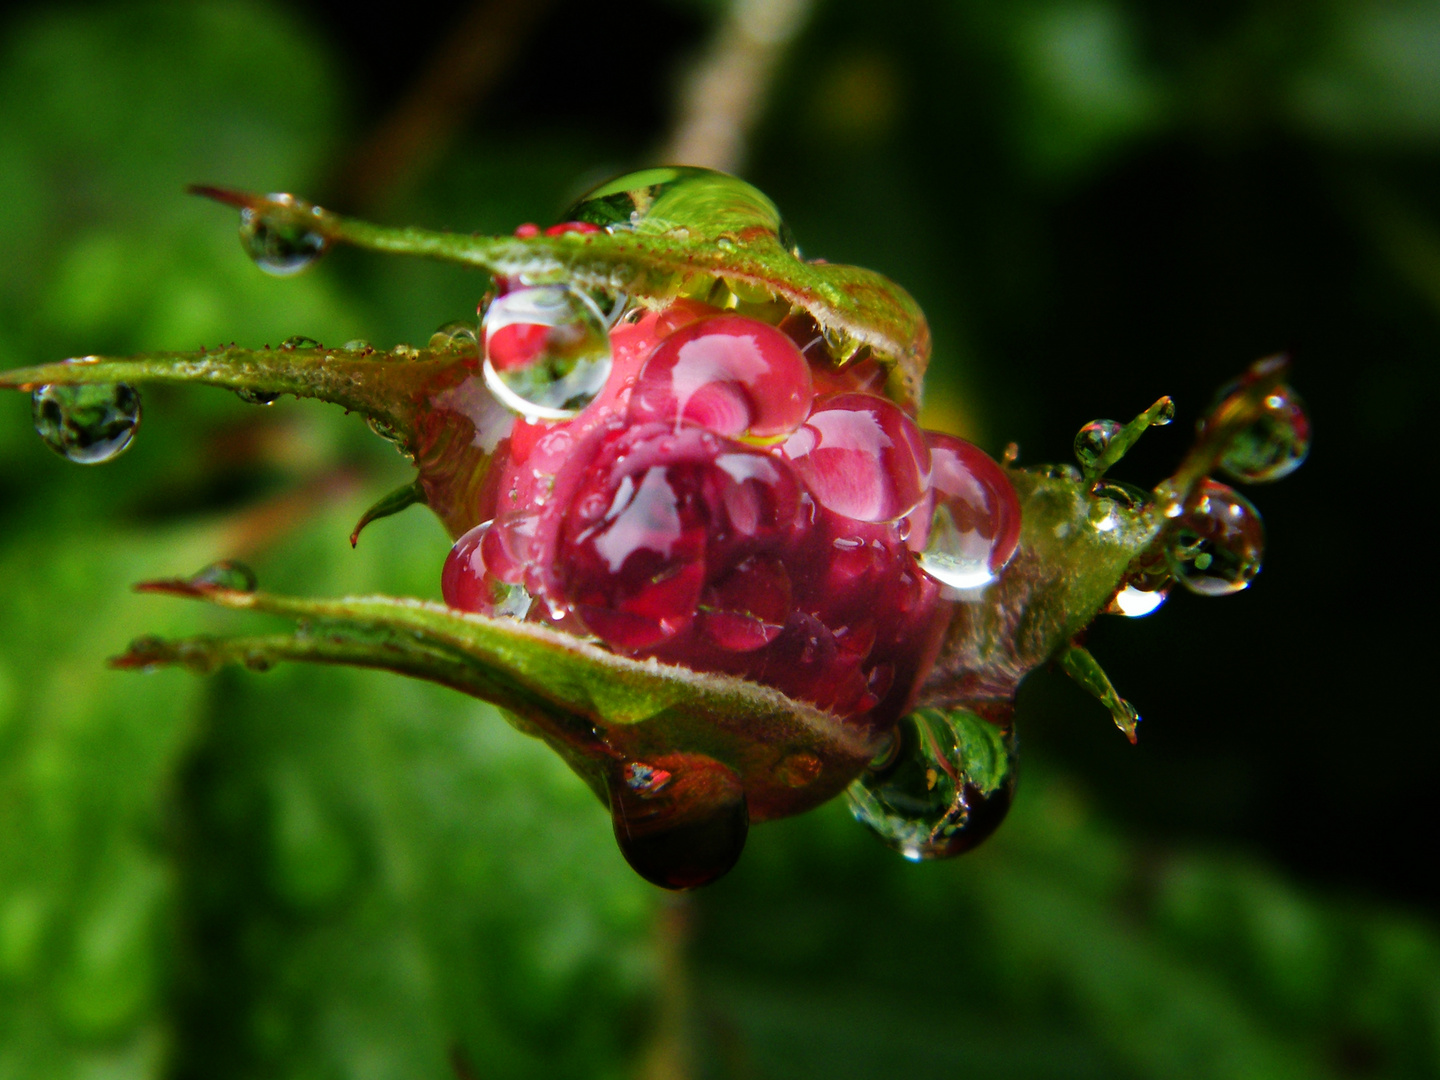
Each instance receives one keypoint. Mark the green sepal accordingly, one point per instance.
(402, 498)
(596, 709)
(855, 307)
(1077, 662)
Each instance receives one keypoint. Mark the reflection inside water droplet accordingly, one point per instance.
(89, 423)
(227, 574)
(300, 341)
(547, 352)
(1217, 542)
(680, 819)
(942, 786)
(1092, 440)
(1272, 447)
(278, 246)
(456, 335)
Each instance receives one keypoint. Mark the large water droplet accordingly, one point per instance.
(279, 246)
(944, 785)
(862, 457)
(680, 819)
(547, 352)
(1216, 542)
(1093, 440)
(973, 525)
(88, 423)
(227, 574)
(684, 200)
(469, 583)
(1272, 447)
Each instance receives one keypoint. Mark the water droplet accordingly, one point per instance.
(683, 200)
(1272, 447)
(941, 787)
(456, 335)
(547, 352)
(1216, 542)
(87, 423)
(470, 583)
(227, 574)
(973, 522)
(300, 341)
(256, 397)
(730, 374)
(680, 819)
(1093, 440)
(1164, 412)
(280, 247)
(862, 457)
(1136, 602)
(385, 430)
(357, 345)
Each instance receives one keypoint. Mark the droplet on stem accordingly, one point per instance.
(1216, 542)
(227, 574)
(547, 352)
(1092, 440)
(1274, 445)
(279, 246)
(941, 787)
(456, 335)
(87, 423)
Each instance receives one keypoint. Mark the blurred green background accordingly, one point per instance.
(316, 874)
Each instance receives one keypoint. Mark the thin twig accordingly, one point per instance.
(723, 97)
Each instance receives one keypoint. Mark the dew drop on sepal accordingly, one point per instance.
(1274, 445)
(1216, 543)
(88, 423)
(547, 351)
(943, 784)
(227, 574)
(256, 397)
(1092, 440)
(300, 341)
(278, 246)
(680, 819)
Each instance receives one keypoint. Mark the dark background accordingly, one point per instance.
(1096, 202)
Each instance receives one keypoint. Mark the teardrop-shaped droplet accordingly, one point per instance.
(88, 423)
(456, 335)
(944, 785)
(1216, 542)
(256, 397)
(685, 200)
(966, 533)
(300, 341)
(1272, 447)
(680, 819)
(1092, 440)
(278, 246)
(1145, 587)
(547, 352)
(227, 574)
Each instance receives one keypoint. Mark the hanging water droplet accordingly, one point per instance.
(547, 352)
(300, 341)
(1145, 587)
(385, 430)
(88, 423)
(1217, 541)
(680, 819)
(280, 247)
(1093, 440)
(456, 335)
(227, 574)
(1164, 412)
(1272, 447)
(941, 787)
(256, 397)
(1135, 602)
